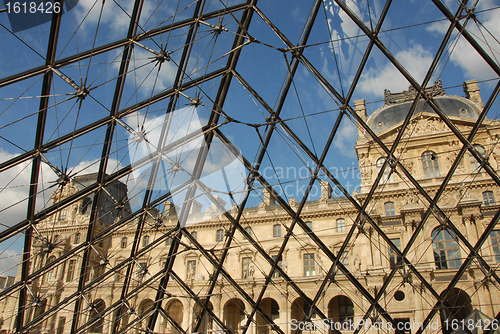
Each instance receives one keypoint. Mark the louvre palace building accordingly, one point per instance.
(193, 304)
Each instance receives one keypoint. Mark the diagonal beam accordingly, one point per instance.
(115, 105)
(193, 28)
(213, 119)
(40, 70)
(36, 165)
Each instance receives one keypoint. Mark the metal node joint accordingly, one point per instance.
(82, 92)
(162, 56)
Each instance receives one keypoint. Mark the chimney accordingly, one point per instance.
(471, 91)
(360, 108)
(326, 191)
(268, 197)
(169, 209)
(195, 207)
(221, 202)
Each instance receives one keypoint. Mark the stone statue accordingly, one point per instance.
(284, 266)
(191, 271)
(357, 264)
(251, 269)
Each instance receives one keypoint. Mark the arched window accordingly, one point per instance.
(77, 238)
(220, 235)
(389, 209)
(123, 244)
(388, 175)
(459, 308)
(309, 225)
(488, 198)
(340, 225)
(341, 310)
(430, 164)
(96, 309)
(145, 241)
(277, 231)
(475, 165)
(446, 250)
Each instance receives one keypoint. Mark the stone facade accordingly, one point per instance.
(427, 151)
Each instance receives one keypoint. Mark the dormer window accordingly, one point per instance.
(430, 164)
(476, 165)
(389, 209)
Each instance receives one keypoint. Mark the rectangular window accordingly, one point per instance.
(220, 235)
(245, 267)
(60, 325)
(195, 235)
(145, 241)
(71, 271)
(277, 231)
(276, 273)
(309, 265)
(309, 225)
(495, 242)
(249, 231)
(340, 225)
(394, 259)
(63, 214)
(488, 198)
(389, 209)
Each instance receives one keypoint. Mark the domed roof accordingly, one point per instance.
(392, 114)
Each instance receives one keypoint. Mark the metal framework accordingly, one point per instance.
(192, 87)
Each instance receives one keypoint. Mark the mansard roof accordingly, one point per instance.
(397, 106)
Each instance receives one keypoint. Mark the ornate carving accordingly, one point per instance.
(292, 202)
(67, 190)
(410, 198)
(410, 94)
(408, 164)
(465, 194)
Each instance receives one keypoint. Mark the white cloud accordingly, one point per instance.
(416, 61)
(14, 187)
(14, 190)
(146, 72)
(346, 138)
(114, 17)
(9, 262)
(463, 54)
